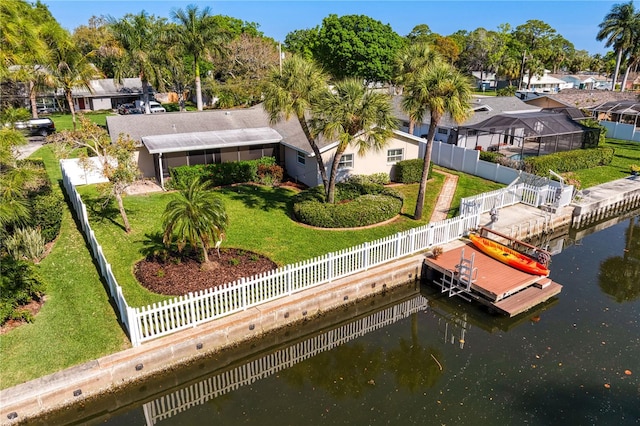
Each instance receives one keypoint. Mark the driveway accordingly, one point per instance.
(35, 142)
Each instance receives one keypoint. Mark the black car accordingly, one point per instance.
(36, 126)
(129, 109)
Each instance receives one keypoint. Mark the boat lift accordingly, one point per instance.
(458, 282)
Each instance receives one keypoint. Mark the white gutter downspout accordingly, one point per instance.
(160, 169)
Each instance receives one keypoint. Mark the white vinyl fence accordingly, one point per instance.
(161, 319)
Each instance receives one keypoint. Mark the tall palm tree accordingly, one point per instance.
(291, 91)
(617, 29)
(70, 70)
(633, 51)
(438, 89)
(197, 218)
(199, 34)
(139, 36)
(352, 114)
(411, 59)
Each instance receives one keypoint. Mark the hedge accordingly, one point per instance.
(220, 174)
(46, 213)
(20, 282)
(410, 171)
(356, 204)
(364, 210)
(568, 161)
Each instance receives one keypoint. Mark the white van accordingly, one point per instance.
(153, 107)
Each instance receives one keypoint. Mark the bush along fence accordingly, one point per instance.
(161, 319)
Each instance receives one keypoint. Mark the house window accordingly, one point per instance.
(395, 155)
(442, 131)
(302, 158)
(346, 162)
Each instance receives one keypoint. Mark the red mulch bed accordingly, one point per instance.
(178, 276)
(33, 307)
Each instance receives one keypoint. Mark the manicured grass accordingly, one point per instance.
(626, 154)
(77, 323)
(259, 222)
(65, 121)
(468, 186)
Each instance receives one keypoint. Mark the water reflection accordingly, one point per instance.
(620, 275)
(331, 358)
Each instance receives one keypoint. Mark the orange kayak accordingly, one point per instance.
(509, 256)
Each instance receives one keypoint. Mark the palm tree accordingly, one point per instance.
(71, 70)
(139, 36)
(633, 52)
(197, 218)
(351, 114)
(438, 89)
(198, 34)
(291, 92)
(411, 59)
(617, 28)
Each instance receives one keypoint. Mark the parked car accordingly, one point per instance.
(36, 126)
(128, 109)
(156, 107)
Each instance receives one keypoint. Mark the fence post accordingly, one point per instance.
(132, 325)
(399, 237)
(193, 313)
(244, 294)
(365, 253)
(330, 266)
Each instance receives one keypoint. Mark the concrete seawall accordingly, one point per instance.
(68, 388)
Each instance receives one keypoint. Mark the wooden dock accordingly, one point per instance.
(495, 284)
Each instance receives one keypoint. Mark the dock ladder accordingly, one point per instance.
(459, 281)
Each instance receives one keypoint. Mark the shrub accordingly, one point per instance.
(364, 210)
(220, 174)
(377, 178)
(270, 174)
(506, 91)
(568, 161)
(19, 284)
(46, 213)
(410, 171)
(25, 244)
(492, 157)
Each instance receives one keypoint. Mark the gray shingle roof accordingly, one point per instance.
(110, 87)
(484, 107)
(138, 126)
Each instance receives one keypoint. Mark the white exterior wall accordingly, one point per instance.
(145, 162)
(100, 104)
(305, 173)
(376, 162)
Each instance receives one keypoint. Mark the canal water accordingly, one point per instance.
(429, 360)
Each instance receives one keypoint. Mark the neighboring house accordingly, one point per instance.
(621, 118)
(106, 94)
(526, 134)
(484, 80)
(188, 138)
(541, 84)
(582, 99)
(576, 81)
(483, 107)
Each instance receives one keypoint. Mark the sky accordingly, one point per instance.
(575, 20)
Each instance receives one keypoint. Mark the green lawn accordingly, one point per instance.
(626, 153)
(65, 121)
(76, 324)
(259, 222)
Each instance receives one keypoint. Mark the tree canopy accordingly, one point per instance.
(357, 46)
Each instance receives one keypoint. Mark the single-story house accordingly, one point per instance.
(540, 84)
(582, 99)
(527, 134)
(482, 108)
(187, 138)
(106, 94)
(576, 81)
(621, 118)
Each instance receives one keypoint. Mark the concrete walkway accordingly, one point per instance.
(443, 203)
